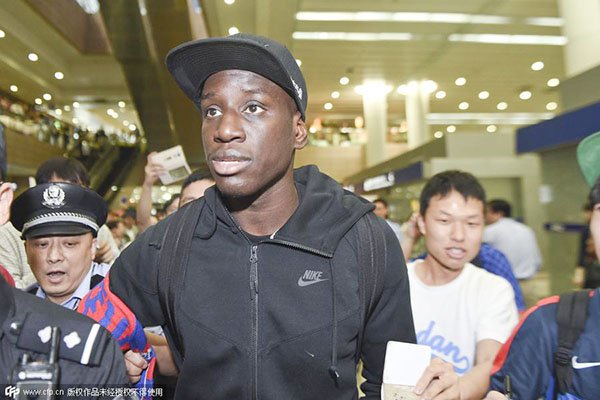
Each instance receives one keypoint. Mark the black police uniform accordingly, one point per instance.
(88, 357)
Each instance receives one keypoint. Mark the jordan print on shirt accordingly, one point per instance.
(444, 349)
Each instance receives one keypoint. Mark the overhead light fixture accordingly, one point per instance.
(344, 80)
(75, 104)
(440, 94)
(58, 111)
(47, 96)
(299, 62)
(14, 88)
(537, 66)
(132, 127)
(75, 120)
(233, 30)
(373, 88)
(59, 75)
(508, 39)
(463, 106)
(229, 2)
(502, 105)
(460, 81)
(312, 129)
(125, 123)
(429, 86)
(491, 128)
(525, 95)
(115, 115)
(335, 95)
(121, 104)
(355, 36)
(32, 57)
(2, 34)
(551, 106)
(438, 134)
(67, 108)
(484, 94)
(451, 129)
(553, 82)
(110, 111)
(328, 106)
(37, 100)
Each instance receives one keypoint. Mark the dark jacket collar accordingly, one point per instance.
(6, 302)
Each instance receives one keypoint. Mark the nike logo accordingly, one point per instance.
(310, 278)
(578, 365)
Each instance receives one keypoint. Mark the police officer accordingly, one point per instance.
(87, 355)
(60, 222)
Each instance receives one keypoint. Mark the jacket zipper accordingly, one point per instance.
(254, 298)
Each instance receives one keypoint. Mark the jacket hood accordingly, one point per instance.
(325, 213)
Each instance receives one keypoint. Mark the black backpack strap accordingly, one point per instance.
(571, 315)
(372, 260)
(95, 280)
(173, 259)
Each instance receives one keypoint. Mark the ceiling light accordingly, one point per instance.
(32, 57)
(537, 66)
(502, 105)
(2, 34)
(429, 86)
(525, 95)
(59, 75)
(229, 2)
(125, 123)
(121, 104)
(354, 36)
(67, 108)
(460, 81)
(115, 115)
(75, 104)
(440, 94)
(37, 100)
(58, 111)
(328, 106)
(335, 95)
(75, 120)
(438, 134)
(110, 111)
(299, 62)
(344, 80)
(312, 129)
(47, 96)
(491, 128)
(14, 88)
(132, 127)
(553, 82)
(464, 105)
(233, 30)
(402, 89)
(114, 188)
(508, 39)
(451, 129)
(551, 106)
(483, 94)
(373, 88)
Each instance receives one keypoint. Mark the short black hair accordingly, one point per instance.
(595, 193)
(197, 175)
(170, 201)
(382, 201)
(130, 212)
(69, 169)
(500, 206)
(443, 183)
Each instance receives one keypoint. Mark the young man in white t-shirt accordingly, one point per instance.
(462, 312)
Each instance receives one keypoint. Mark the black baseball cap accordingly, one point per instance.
(193, 62)
(55, 209)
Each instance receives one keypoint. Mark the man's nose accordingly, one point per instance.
(55, 254)
(229, 128)
(458, 232)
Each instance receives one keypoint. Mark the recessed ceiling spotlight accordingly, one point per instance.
(551, 106)
(335, 95)
(537, 66)
(312, 129)
(429, 86)
(75, 120)
(2, 34)
(502, 105)
(32, 57)
(451, 129)
(491, 128)
(75, 104)
(121, 104)
(67, 108)
(460, 81)
(484, 94)
(110, 111)
(37, 100)
(464, 105)
(59, 75)
(299, 62)
(14, 88)
(328, 106)
(229, 2)
(125, 123)
(438, 134)
(344, 80)
(233, 30)
(47, 96)
(115, 115)
(525, 95)
(553, 82)
(440, 94)
(132, 127)
(58, 111)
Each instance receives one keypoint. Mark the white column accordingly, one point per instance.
(582, 29)
(374, 95)
(417, 108)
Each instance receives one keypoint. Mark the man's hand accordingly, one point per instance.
(152, 170)
(104, 253)
(438, 382)
(135, 364)
(493, 395)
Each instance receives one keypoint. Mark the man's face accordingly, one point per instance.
(250, 129)
(381, 210)
(194, 191)
(60, 263)
(129, 222)
(595, 227)
(453, 229)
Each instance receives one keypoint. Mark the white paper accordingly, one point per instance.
(175, 164)
(405, 363)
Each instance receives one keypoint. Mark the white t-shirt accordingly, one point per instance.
(452, 318)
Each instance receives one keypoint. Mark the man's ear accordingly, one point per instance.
(94, 248)
(300, 132)
(421, 224)
(6, 198)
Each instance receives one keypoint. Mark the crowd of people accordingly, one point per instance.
(263, 281)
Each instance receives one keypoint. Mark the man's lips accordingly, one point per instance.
(455, 252)
(229, 163)
(55, 276)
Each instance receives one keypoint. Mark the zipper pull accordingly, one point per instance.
(253, 271)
